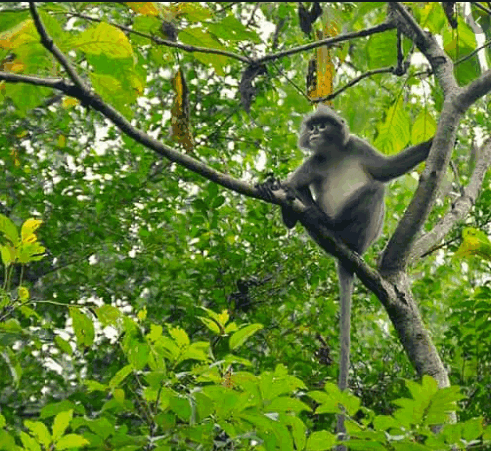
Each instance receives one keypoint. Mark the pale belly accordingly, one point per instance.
(339, 185)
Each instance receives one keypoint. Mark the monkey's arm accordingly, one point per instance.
(387, 168)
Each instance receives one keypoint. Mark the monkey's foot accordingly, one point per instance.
(315, 217)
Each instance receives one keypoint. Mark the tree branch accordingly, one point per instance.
(457, 101)
(460, 207)
(353, 82)
(48, 43)
(328, 41)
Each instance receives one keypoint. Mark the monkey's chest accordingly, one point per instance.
(340, 184)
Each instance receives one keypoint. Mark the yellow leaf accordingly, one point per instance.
(15, 66)
(61, 141)
(144, 8)
(180, 126)
(23, 293)
(30, 239)
(223, 317)
(322, 84)
(118, 394)
(474, 243)
(15, 156)
(142, 314)
(137, 85)
(28, 228)
(23, 33)
(69, 102)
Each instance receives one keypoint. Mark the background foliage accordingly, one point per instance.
(169, 313)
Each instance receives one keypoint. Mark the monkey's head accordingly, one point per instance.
(322, 129)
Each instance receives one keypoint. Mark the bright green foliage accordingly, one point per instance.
(209, 402)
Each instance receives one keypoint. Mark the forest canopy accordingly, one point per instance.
(152, 298)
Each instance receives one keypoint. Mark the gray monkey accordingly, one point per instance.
(343, 183)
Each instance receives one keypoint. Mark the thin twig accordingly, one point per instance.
(353, 82)
(481, 7)
(470, 55)
(328, 41)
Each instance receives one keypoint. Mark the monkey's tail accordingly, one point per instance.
(346, 282)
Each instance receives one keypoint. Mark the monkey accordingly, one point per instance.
(343, 184)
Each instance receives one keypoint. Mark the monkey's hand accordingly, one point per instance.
(266, 189)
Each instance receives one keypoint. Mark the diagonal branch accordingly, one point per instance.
(48, 43)
(460, 207)
(457, 101)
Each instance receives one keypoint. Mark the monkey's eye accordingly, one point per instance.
(321, 127)
(312, 127)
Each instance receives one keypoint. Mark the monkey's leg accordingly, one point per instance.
(304, 194)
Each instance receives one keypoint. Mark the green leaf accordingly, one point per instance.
(202, 38)
(120, 376)
(9, 230)
(60, 425)
(286, 404)
(63, 345)
(105, 39)
(109, 315)
(328, 399)
(365, 445)
(181, 407)
(8, 254)
(83, 327)
(180, 336)
(423, 128)
(7, 441)
(29, 443)
(231, 29)
(137, 354)
(210, 324)
(30, 252)
(404, 446)
(380, 50)
(239, 337)
(197, 351)
(394, 132)
(155, 332)
(472, 429)
(298, 430)
(52, 409)
(320, 441)
(71, 441)
(40, 431)
(385, 422)
(95, 386)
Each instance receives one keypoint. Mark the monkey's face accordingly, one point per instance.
(317, 135)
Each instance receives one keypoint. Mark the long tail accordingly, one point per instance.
(346, 282)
